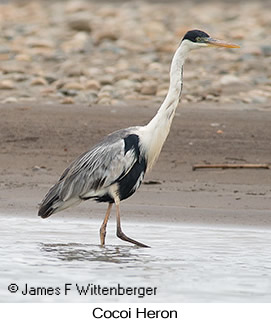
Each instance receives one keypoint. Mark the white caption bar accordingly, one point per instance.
(151, 312)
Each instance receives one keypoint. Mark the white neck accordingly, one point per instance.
(168, 107)
(158, 128)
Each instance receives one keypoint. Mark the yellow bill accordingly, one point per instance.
(220, 43)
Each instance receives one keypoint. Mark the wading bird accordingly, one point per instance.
(113, 170)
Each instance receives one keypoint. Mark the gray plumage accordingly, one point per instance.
(93, 173)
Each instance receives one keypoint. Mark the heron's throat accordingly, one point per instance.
(167, 110)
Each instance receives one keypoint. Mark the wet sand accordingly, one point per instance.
(39, 141)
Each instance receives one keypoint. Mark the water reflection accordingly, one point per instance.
(90, 252)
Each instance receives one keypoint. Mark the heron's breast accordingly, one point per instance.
(153, 145)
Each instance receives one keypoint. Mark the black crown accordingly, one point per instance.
(194, 35)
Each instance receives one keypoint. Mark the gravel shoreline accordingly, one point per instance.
(114, 53)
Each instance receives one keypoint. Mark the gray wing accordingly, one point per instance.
(94, 171)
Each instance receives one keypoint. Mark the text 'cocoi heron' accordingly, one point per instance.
(113, 170)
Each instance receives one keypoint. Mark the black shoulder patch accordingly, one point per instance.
(132, 142)
(130, 182)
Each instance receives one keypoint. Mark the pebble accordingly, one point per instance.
(74, 86)
(38, 168)
(18, 77)
(10, 99)
(104, 95)
(92, 97)
(148, 88)
(93, 85)
(47, 91)
(105, 100)
(258, 99)
(75, 6)
(229, 79)
(39, 42)
(7, 85)
(50, 78)
(156, 67)
(68, 100)
(214, 124)
(108, 88)
(266, 50)
(78, 43)
(125, 84)
(162, 90)
(68, 92)
(38, 81)
(97, 52)
(105, 35)
(106, 79)
(246, 100)
(23, 57)
(80, 22)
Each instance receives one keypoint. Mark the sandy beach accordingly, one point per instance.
(39, 141)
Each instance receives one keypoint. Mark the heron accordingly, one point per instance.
(114, 169)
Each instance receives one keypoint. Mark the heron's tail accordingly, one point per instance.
(50, 203)
(56, 200)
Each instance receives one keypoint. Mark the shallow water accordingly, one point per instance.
(186, 264)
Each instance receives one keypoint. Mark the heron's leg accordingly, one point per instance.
(121, 235)
(104, 224)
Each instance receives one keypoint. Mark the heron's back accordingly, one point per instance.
(116, 161)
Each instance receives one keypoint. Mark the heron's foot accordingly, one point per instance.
(124, 237)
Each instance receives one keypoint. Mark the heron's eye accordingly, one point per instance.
(199, 39)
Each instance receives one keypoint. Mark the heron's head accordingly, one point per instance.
(196, 39)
